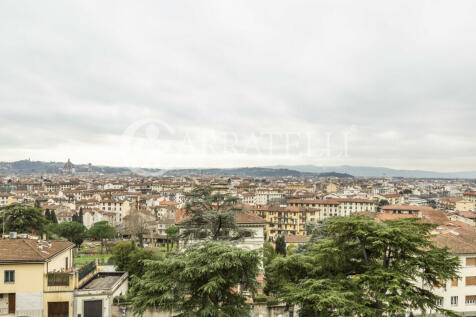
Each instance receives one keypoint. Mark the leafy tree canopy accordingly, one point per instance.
(23, 219)
(359, 267)
(101, 230)
(73, 231)
(201, 281)
(131, 259)
(211, 216)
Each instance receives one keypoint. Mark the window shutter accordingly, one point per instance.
(470, 261)
(470, 280)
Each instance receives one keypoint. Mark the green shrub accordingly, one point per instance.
(122, 299)
(260, 299)
(272, 301)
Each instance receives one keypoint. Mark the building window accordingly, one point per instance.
(454, 300)
(470, 280)
(454, 282)
(470, 261)
(9, 276)
(470, 300)
(66, 264)
(439, 302)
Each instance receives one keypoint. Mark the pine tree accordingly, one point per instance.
(359, 267)
(211, 216)
(200, 281)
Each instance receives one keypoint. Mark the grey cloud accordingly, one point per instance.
(399, 74)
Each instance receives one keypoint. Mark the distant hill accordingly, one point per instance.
(252, 172)
(24, 167)
(369, 171)
(38, 167)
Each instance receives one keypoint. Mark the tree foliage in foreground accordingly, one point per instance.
(211, 216)
(129, 258)
(23, 219)
(200, 281)
(359, 267)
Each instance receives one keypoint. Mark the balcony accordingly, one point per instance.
(68, 281)
(59, 282)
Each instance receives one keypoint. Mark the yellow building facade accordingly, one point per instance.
(36, 278)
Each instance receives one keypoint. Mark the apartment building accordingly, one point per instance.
(459, 295)
(264, 196)
(470, 196)
(93, 215)
(335, 207)
(4, 199)
(120, 208)
(284, 220)
(416, 211)
(456, 203)
(393, 199)
(247, 198)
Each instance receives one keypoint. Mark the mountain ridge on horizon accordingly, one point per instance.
(374, 171)
(28, 166)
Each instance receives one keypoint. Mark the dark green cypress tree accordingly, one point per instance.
(53, 217)
(48, 215)
(80, 217)
(280, 246)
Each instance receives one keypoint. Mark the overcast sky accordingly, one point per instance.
(239, 83)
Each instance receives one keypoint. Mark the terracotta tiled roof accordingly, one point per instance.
(389, 216)
(244, 218)
(434, 216)
(459, 239)
(28, 250)
(296, 239)
(390, 195)
(313, 201)
(402, 207)
(355, 200)
(467, 214)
